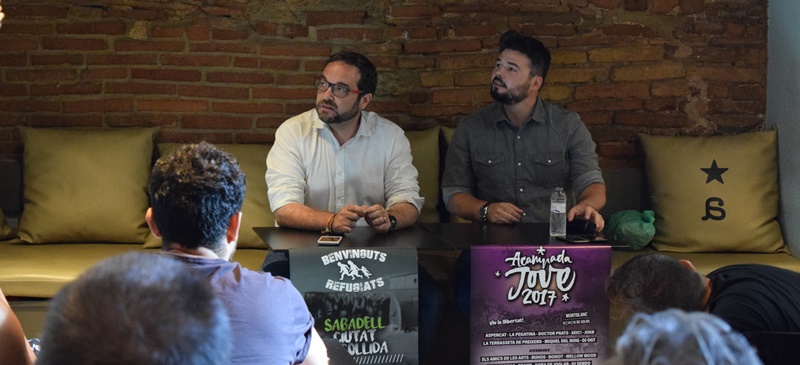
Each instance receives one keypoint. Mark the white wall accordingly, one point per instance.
(783, 109)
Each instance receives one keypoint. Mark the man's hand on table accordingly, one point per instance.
(584, 211)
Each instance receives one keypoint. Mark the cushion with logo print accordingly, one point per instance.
(714, 194)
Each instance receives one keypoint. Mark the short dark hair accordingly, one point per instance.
(535, 50)
(194, 192)
(368, 82)
(137, 308)
(655, 282)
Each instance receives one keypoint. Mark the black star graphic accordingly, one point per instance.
(714, 172)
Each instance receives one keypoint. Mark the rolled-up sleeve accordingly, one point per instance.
(285, 176)
(402, 183)
(584, 167)
(458, 176)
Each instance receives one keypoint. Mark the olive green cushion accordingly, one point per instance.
(425, 155)
(84, 185)
(5, 230)
(252, 159)
(713, 194)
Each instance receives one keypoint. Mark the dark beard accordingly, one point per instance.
(506, 99)
(339, 117)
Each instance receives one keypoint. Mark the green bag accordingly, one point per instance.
(632, 227)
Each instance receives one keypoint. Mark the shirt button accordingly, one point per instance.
(523, 214)
(519, 163)
(520, 189)
(518, 137)
(490, 161)
(548, 161)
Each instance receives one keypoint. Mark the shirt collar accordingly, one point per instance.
(537, 117)
(365, 128)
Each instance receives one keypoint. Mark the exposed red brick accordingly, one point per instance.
(613, 90)
(296, 50)
(294, 93)
(549, 30)
(195, 60)
(140, 88)
(28, 28)
(42, 75)
(195, 121)
(664, 6)
(279, 64)
(295, 30)
(240, 77)
(217, 92)
(151, 46)
(228, 34)
(104, 74)
(415, 11)
(691, 6)
(183, 136)
(317, 18)
(14, 90)
(254, 138)
(98, 106)
(35, 11)
(635, 5)
(165, 74)
(594, 105)
(247, 108)
(295, 79)
(137, 14)
(739, 121)
(749, 92)
(475, 31)
(116, 59)
(100, 27)
(270, 122)
(198, 32)
(141, 120)
(171, 105)
(81, 88)
(651, 120)
(42, 60)
(234, 47)
(442, 46)
(355, 34)
(166, 32)
(596, 118)
(606, 4)
(74, 44)
(631, 30)
(63, 120)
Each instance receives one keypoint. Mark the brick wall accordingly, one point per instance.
(230, 71)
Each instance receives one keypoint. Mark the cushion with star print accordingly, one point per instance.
(714, 194)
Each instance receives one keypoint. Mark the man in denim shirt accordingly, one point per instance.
(505, 159)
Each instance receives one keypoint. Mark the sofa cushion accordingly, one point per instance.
(85, 185)
(5, 231)
(713, 194)
(252, 159)
(425, 154)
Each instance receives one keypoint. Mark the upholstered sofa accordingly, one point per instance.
(79, 196)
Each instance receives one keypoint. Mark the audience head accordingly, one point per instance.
(531, 47)
(136, 309)
(652, 283)
(681, 338)
(195, 193)
(368, 82)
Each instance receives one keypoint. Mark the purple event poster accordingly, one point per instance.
(543, 305)
(365, 302)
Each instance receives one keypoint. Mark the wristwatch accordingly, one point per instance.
(392, 220)
(484, 211)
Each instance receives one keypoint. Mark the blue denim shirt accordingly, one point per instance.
(492, 160)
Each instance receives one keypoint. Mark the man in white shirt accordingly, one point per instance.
(337, 166)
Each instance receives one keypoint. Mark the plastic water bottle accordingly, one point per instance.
(558, 212)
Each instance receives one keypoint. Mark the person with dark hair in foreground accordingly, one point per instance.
(505, 159)
(677, 337)
(749, 297)
(196, 197)
(136, 309)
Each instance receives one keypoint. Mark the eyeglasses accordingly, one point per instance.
(337, 89)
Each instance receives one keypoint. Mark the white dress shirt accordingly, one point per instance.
(307, 165)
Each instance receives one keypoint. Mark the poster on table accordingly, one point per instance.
(364, 300)
(543, 305)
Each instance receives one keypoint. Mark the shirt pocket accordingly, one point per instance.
(489, 168)
(551, 170)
